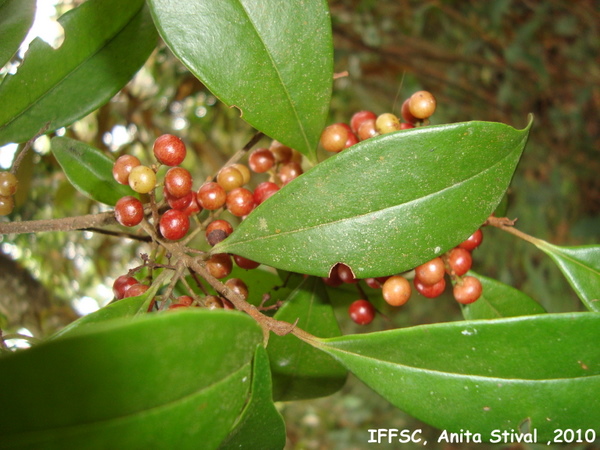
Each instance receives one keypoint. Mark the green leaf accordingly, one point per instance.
(16, 17)
(500, 300)
(260, 426)
(581, 268)
(173, 380)
(89, 170)
(487, 375)
(106, 42)
(299, 370)
(272, 60)
(384, 205)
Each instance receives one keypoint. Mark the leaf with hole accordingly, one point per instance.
(300, 371)
(16, 17)
(89, 170)
(538, 372)
(149, 382)
(106, 42)
(384, 205)
(271, 60)
(500, 300)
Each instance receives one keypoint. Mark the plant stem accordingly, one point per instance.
(507, 225)
(88, 221)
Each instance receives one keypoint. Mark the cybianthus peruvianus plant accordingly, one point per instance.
(231, 310)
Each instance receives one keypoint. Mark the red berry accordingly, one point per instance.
(219, 265)
(359, 118)
(467, 290)
(178, 182)
(352, 139)
(282, 153)
(245, 263)
(406, 115)
(169, 150)
(396, 290)
(289, 171)
(174, 224)
(367, 130)
(335, 136)
(122, 284)
(211, 196)
(430, 290)
(193, 207)
(123, 166)
(135, 290)
(240, 202)
(184, 300)
(373, 283)
(460, 261)
(179, 203)
(218, 230)
(129, 211)
(263, 191)
(362, 312)
(261, 160)
(345, 274)
(473, 241)
(431, 272)
(238, 286)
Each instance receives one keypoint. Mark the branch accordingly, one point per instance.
(88, 221)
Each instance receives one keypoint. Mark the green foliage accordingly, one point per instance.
(105, 43)
(89, 170)
(122, 378)
(132, 383)
(485, 375)
(278, 66)
(16, 17)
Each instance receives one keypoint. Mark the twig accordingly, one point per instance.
(88, 221)
(28, 145)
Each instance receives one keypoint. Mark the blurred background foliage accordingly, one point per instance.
(497, 60)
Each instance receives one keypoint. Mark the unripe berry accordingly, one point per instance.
(7, 204)
(129, 211)
(142, 179)
(8, 184)
(246, 175)
(422, 104)
(334, 137)
(230, 178)
(396, 290)
(386, 123)
(282, 153)
(169, 150)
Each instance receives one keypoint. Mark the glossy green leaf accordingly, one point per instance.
(272, 60)
(581, 268)
(261, 425)
(541, 372)
(16, 17)
(156, 381)
(500, 300)
(106, 42)
(385, 205)
(89, 170)
(299, 370)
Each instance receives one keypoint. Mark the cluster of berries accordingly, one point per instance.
(416, 110)
(181, 204)
(428, 279)
(8, 187)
